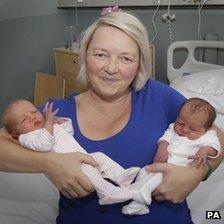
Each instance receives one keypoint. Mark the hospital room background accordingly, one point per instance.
(30, 30)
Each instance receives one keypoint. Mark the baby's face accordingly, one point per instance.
(190, 125)
(28, 118)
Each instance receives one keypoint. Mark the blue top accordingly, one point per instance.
(152, 109)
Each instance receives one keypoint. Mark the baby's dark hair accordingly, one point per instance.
(9, 121)
(197, 105)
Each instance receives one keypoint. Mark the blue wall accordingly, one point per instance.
(31, 29)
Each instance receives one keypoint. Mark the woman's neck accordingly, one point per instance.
(99, 119)
(108, 105)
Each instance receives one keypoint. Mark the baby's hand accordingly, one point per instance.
(48, 113)
(59, 120)
(203, 153)
(162, 152)
(161, 155)
(200, 156)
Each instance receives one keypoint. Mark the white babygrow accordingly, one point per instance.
(180, 148)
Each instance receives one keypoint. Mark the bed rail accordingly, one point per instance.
(191, 65)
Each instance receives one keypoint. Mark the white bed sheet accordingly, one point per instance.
(27, 199)
(209, 194)
(17, 212)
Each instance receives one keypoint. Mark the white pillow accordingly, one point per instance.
(212, 86)
(208, 85)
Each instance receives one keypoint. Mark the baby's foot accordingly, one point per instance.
(127, 176)
(146, 186)
(135, 208)
(118, 195)
(149, 185)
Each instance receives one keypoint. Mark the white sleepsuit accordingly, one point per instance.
(180, 148)
(62, 141)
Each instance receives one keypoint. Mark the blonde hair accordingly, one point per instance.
(8, 120)
(132, 26)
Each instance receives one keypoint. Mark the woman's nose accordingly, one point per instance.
(111, 67)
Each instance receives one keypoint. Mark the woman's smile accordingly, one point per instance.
(109, 80)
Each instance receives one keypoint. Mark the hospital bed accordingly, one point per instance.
(204, 80)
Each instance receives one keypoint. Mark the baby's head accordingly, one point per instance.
(21, 117)
(195, 118)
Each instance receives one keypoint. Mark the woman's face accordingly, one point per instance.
(112, 62)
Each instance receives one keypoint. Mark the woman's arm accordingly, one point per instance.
(63, 169)
(179, 182)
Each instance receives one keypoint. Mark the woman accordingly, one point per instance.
(123, 114)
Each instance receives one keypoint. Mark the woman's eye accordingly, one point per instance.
(126, 60)
(100, 55)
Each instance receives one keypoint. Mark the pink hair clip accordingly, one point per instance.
(109, 10)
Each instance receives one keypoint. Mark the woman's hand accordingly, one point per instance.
(65, 172)
(178, 182)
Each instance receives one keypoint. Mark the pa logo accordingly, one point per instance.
(213, 215)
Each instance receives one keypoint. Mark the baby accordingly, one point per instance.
(48, 132)
(189, 138)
